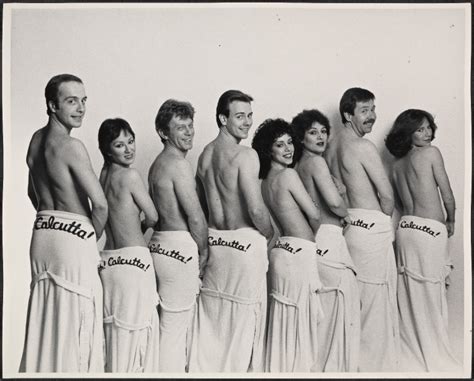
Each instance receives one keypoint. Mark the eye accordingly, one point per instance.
(131, 141)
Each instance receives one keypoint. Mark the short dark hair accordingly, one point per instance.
(302, 123)
(110, 130)
(265, 136)
(226, 99)
(398, 140)
(350, 98)
(51, 89)
(168, 109)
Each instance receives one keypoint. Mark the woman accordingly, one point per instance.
(126, 269)
(421, 240)
(294, 307)
(339, 332)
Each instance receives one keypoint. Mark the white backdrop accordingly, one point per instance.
(133, 58)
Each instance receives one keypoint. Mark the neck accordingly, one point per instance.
(57, 126)
(225, 136)
(308, 154)
(277, 167)
(172, 150)
(351, 129)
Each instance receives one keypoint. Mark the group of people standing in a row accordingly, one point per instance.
(194, 298)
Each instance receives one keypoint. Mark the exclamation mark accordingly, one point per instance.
(297, 250)
(189, 258)
(437, 234)
(147, 267)
(90, 234)
(372, 224)
(248, 246)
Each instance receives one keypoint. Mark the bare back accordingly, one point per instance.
(50, 157)
(219, 168)
(347, 158)
(415, 180)
(278, 193)
(162, 178)
(123, 227)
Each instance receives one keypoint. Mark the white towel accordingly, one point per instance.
(339, 331)
(64, 323)
(230, 320)
(176, 260)
(369, 239)
(131, 321)
(295, 308)
(424, 264)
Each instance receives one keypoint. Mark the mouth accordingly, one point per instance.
(371, 122)
(129, 157)
(288, 156)
(320, 144)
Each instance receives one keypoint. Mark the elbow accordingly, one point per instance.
(256, 213)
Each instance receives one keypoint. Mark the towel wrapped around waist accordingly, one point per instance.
(295, 308)
(131, 321)
(339, 332)
(66, 297)
(424, 264)
(176, 258)
(369, 239)
(230, 320)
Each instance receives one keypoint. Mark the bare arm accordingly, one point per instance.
(185, 189)
(201, 193)
(82, 169)
(142, 199)
(326, 186)
(303, 199)
(442, 180)
(31, 192)
(376, 172)
(250, 188)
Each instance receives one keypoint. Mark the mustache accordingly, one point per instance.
(369, 121)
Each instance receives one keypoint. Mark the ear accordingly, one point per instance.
(348, 116)
(223, 119)
(52, 106)
(162, 135)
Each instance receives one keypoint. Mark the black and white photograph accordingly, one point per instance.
(237, 190)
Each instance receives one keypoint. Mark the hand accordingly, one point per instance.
(345, 221)
(450, 228)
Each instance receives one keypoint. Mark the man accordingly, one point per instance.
(131, 323)
(64, 322)
(422, 243)
(230, 321)
(339, 331)
(356, 162)
(181, 231)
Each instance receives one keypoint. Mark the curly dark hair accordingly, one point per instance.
(398, 140)
(350, 98)
(302, 123)
(110, 130)
(265, 135)
(171, 108)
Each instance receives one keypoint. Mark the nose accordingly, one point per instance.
(81, 107)
(248, 121)
(189, 131)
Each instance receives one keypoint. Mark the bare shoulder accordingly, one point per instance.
(317, 163)
(131, 175)
(289, 175)
(181, 168)
(246, 155)
(431, 152)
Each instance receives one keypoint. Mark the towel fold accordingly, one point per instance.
(424, 264)
(339, 331)
(229, 326)
(369, 239)
(64, 321)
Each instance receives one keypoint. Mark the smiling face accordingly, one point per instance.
(316, 138)
(180, 134)
(364, 117)
(70, 106)
(239, 121)
(283, 150)
(122, 149)
(423, 136)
